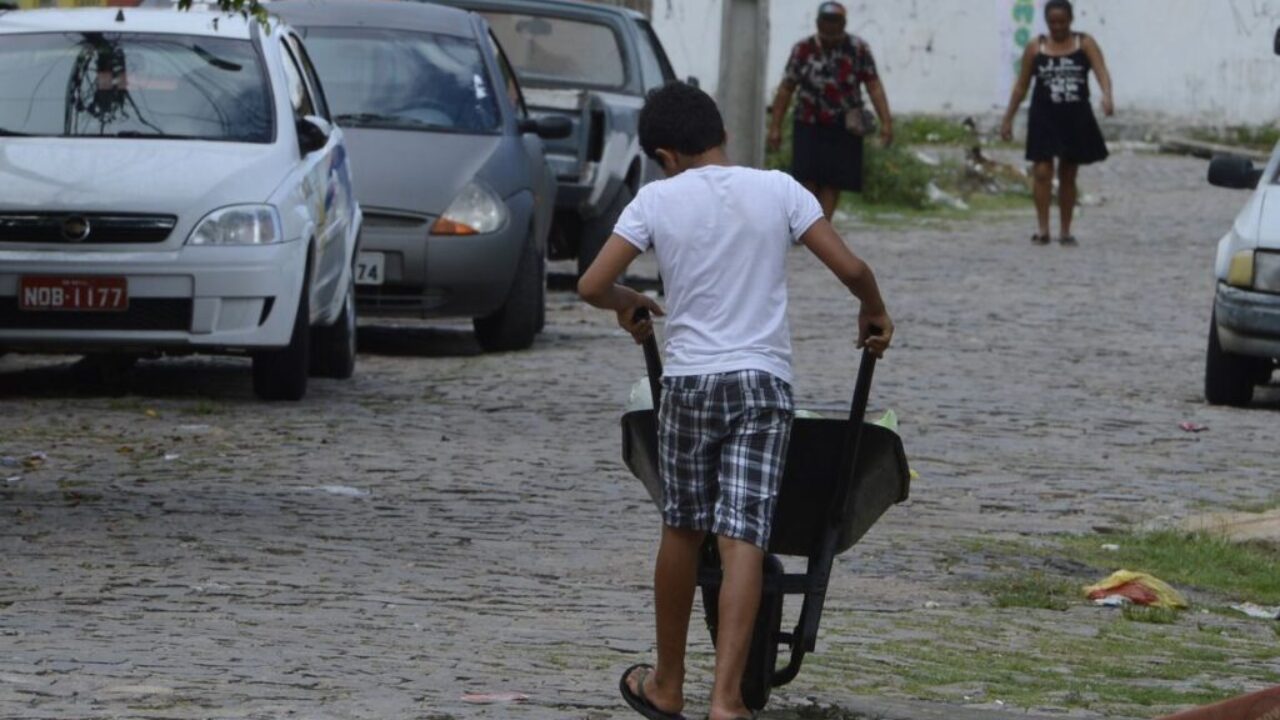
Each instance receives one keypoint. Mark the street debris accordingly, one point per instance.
(938, 196)
(1111, 547)
(1113, 601)
(170, 457)
(1138, 588)
(1258, 611)
(32, 461)
(1193, 427)
(494, 698)
(12, 480)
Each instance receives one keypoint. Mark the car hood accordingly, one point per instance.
(1263, 225)
(122, 175)
(410, 171)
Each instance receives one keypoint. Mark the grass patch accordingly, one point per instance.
(1239, 571)
(1032, 590)
(1257, 137)
(896, 181)
(931, 130)
(1152, 615)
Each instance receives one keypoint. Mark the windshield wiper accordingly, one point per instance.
(150, 135)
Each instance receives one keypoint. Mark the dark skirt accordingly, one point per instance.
(1067, 131)
(828, 156)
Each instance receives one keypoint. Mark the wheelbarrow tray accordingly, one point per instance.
(810, 479)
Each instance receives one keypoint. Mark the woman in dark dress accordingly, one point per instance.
(1062, 125)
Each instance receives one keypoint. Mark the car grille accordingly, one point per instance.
(143, 314)
(84, 228)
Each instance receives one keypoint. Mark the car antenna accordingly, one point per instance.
(120, 15)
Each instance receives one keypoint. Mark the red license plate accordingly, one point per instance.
(94, 294)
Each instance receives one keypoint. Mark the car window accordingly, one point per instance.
(404, 80)
(134, 85)
(560, 51)
(299, 95)
(310, 75)
(653, 59)
(508, 77)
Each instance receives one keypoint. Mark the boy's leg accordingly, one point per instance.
(751, 464)
(743, 565)
(675, 577)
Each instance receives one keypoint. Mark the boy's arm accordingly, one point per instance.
(823, 241)
(598, 288)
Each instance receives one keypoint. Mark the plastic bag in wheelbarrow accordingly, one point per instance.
(809, 482)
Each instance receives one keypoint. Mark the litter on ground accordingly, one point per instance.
(1138, 588)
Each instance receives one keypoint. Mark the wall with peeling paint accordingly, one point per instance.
(1201, 61)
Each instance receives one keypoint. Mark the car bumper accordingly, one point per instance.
(210, 299)
(440, 276)
(1248, 322)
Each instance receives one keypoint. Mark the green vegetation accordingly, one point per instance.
(1032, 590)
(1238, 572)
(1257, 137)
(896, 181)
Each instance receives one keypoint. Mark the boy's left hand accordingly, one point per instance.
(641, 330)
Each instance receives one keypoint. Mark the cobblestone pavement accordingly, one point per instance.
(451, 523)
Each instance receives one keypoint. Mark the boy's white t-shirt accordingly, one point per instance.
(721, 235)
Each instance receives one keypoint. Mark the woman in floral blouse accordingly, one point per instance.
(827, 73)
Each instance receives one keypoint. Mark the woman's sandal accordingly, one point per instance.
(1067, 241)
(1039, 239)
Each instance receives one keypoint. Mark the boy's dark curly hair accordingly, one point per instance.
(681, 118)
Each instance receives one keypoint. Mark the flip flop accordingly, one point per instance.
(1068, 241)
(1039, 239)
(637, 700)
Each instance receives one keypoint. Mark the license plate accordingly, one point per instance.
(370, 267)
(93, 294)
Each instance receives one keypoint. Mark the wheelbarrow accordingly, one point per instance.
(840, 476)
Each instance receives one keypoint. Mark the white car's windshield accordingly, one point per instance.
(549, 50)
(133, 85)
(403, 80)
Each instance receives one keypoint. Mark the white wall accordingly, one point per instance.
(1199, 61)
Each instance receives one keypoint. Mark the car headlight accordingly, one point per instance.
(239, 225)
(1266, 272)
(1240, 273)
(476, 211)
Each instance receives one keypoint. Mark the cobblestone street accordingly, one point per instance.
(450, 524)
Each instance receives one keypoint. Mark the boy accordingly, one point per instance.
(721, 234)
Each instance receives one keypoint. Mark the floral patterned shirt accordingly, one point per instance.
(829, 81)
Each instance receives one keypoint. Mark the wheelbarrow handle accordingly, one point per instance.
(853, 434)
(652, 361)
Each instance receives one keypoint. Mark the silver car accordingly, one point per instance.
(449, 167)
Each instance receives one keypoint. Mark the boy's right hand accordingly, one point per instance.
(640, 328)
(875, 332)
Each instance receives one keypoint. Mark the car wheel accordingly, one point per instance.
(542, 305)
(282, 374)
(597, 230)
(515, 324)
(333, 347)
(1228, 378)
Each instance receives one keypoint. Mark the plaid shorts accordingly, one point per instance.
(722, 441)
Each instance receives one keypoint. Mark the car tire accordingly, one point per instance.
(596, 231)
(333, 347)
(1228, 378)
(514, 325)
(282, 374)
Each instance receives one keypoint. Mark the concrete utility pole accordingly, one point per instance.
(744, 52)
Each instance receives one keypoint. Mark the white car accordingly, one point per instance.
(171, 183)
(1244, 337)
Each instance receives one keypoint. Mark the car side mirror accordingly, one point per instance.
(695, 82)
(1234, 172)
(313, 134)
(551, 127)
(1277, 43)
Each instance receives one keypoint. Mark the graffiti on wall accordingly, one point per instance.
(1021, 24)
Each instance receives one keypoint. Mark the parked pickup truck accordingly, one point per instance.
(592, 63)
